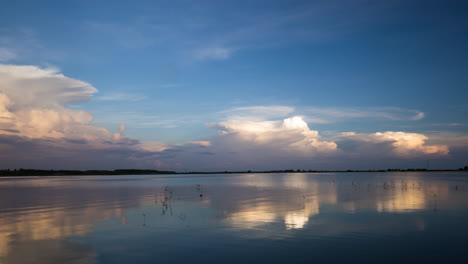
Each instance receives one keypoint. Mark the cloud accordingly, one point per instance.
(195, 43)
(452, 139)
(39, 130)
(242, 144)
(258, 113)
(274, 143)
(201, 143)
(397, 144)
(336, 114)
(418, 116)
(290, 135)
(323, 115)
(215, 31)
(20, 43)
(213, 53)
(33, 102)
(121, 97)
(31, 86)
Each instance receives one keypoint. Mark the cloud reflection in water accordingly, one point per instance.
(51, 213)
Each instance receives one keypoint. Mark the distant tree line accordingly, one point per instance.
(318, 171)
(33, 172)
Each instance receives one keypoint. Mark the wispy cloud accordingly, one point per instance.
(213, 53)
(201, 37)
(258, 112)
(121, 97)
(143, 33)
(449, 124)
(144, 119)
(323, 115)
(7, 54)
(24, 43)
(336, 114)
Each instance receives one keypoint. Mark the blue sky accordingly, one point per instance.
(171, 71)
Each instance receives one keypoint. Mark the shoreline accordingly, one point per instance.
(58, 173)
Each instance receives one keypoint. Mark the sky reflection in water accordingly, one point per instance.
(370, 217)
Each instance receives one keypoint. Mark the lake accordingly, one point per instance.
(404, 217)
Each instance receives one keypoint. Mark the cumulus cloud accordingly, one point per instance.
(38, 129)
(291, 135)
(31, 86)
(37, 125)
(290, 143)
(33, 104)
(243, 144)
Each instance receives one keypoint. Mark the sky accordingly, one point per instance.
(233, 85)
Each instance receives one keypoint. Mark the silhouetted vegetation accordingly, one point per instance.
(317, 171)
(34, 172)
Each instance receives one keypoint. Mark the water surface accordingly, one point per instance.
(257, 218)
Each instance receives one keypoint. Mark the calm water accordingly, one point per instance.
(256, 218)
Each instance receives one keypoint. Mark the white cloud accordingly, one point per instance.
(31, 86)
(33, 104)
(41, 132)
(34, 101)
(291, 135)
